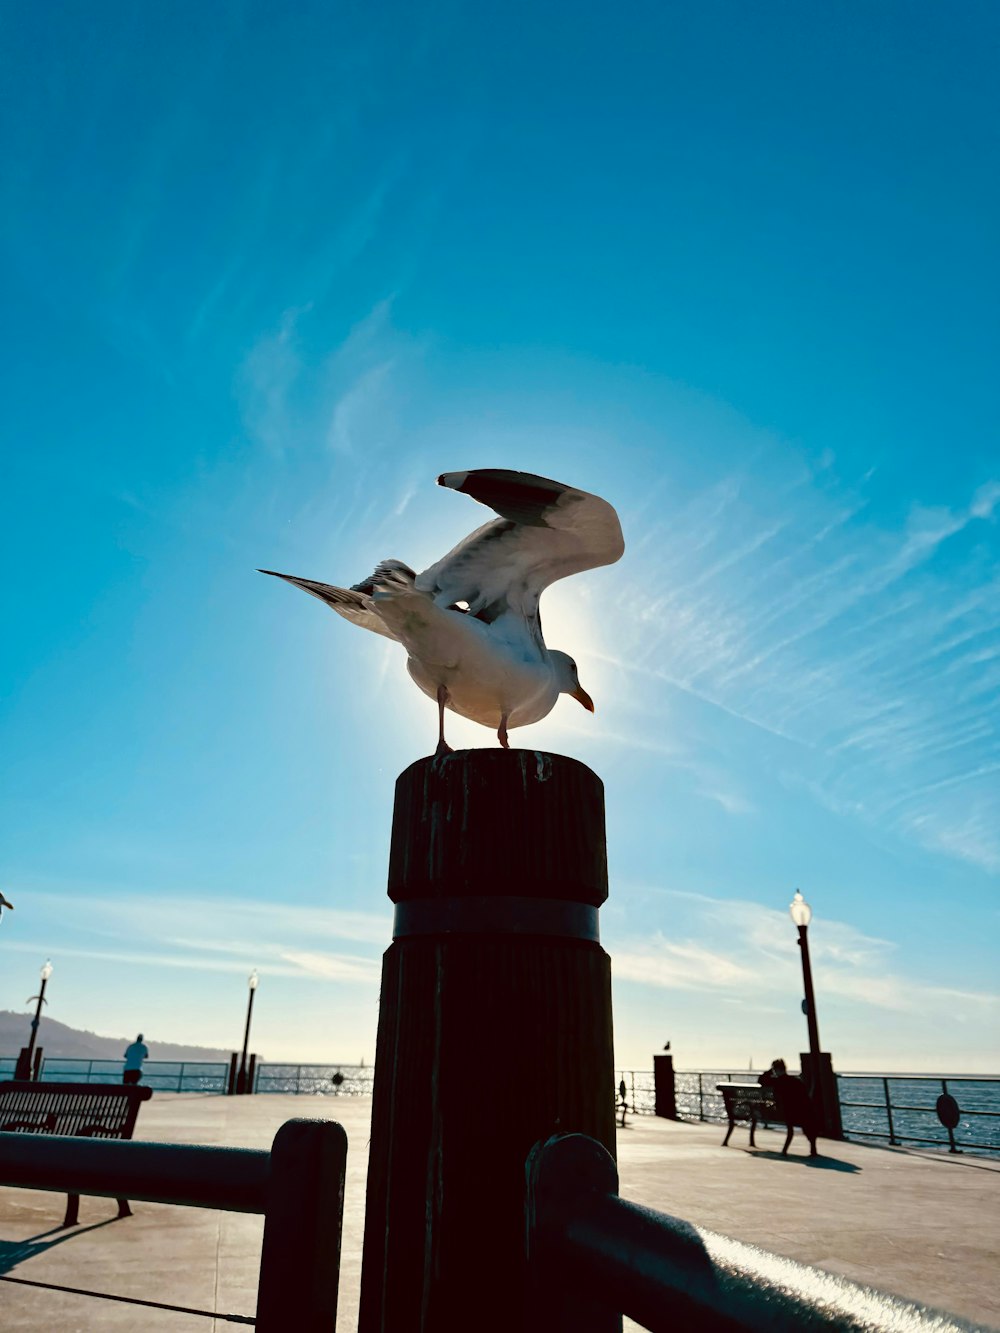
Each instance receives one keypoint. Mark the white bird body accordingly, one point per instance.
(470, 622)
(488, 675)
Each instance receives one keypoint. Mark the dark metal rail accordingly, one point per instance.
(595, 1257)
(298, 1186)
(232, 1179)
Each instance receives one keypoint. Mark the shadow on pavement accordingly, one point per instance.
(14, 1252)
(950, 1159)
(820, 1163)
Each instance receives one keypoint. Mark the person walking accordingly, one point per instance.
(134, 1056)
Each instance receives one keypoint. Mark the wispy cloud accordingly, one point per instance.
(298, 395)
(266, 382)
(876, 649)
(218, 934)
(753, 956)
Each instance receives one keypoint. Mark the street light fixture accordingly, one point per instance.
(801, 912)
(253, 981)
(23, 1070)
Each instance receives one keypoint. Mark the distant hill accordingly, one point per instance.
(60, 1040)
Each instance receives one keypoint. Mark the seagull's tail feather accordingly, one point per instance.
(351, 603)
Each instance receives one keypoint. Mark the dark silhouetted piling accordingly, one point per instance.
(664, 1087)
(494, 1030)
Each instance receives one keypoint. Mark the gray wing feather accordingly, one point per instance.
(546, 531)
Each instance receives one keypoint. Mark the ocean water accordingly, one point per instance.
(911, 1113)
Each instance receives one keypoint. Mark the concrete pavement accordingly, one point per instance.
(922, 1225)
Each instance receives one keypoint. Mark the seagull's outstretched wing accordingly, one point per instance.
(353, 604)
(4, 902)
(546, 531)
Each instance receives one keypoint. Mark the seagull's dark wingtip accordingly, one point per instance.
(453, 480)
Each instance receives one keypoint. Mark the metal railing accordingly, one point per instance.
(876, 1107)
(208, 1076)
(903, 1117)
(298, 1186)
(161, 1075)
(892, 1108)
(329, 1080)
(695, 1091)
(595, 1257)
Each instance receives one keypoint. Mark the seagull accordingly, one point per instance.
(4, 902)
(470, 623)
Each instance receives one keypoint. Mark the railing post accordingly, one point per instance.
(560, 1173)
(494, 1030)
(888, 1111)
(251, 1072)
(300, 1256)
(701, 1098)
(231, 1081)
(664, 1087)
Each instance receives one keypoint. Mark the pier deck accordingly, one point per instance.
(919, 1224)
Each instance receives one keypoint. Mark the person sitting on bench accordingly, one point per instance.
(794, 1104)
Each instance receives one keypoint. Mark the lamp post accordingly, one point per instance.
(23, 1070)
(241, 1080)
(801, 914)
(820, 1073)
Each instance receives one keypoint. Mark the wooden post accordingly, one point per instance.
(494, 1030)
(822, 1083)
(664, 1087)
(300, 1255)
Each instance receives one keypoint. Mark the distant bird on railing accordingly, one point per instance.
(5, 903)
(470, 622)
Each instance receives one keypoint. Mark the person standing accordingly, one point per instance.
(134, 1056)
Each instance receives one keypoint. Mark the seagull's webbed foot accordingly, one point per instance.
(442, 746)
(502, 733)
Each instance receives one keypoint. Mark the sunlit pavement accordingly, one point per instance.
(918, 1224)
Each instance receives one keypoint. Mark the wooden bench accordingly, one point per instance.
(83, 1110)
(748, 1101)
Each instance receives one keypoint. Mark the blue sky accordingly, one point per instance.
(267, 273)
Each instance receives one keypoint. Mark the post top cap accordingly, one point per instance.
(499, 823)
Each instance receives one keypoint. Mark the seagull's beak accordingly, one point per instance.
(582, 697)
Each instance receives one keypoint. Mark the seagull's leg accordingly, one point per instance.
(442, 746)
(502, 733)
